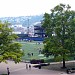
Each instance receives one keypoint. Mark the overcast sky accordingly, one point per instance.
(10, 8)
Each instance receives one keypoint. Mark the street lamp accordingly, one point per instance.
(28, 27)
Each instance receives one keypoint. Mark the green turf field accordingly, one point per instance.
(32, 47)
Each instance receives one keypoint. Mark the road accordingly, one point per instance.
(20, 69)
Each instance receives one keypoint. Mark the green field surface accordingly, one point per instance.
(32, 47)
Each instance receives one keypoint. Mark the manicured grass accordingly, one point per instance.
(32, 47)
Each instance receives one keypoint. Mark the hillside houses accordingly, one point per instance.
(34, 30)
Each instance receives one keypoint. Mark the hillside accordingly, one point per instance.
(24, 20)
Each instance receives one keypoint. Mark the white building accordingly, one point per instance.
(19, 29)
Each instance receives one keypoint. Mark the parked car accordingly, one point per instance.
(71, 70)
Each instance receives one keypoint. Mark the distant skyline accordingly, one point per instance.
(14, 8)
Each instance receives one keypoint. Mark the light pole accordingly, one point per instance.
(28, 19)
(28, 27)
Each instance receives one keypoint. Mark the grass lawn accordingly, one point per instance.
(32, 47)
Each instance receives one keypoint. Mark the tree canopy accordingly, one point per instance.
(8, 48)
(60, 29)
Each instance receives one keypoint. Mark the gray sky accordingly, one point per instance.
(10, 8)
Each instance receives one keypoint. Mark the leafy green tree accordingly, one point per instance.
(8, 48)
(60, 28)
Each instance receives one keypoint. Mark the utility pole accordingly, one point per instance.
(28, 27)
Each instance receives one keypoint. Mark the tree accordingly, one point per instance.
(60, 28)
(8, 48)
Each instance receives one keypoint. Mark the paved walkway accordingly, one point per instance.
(20, 69)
